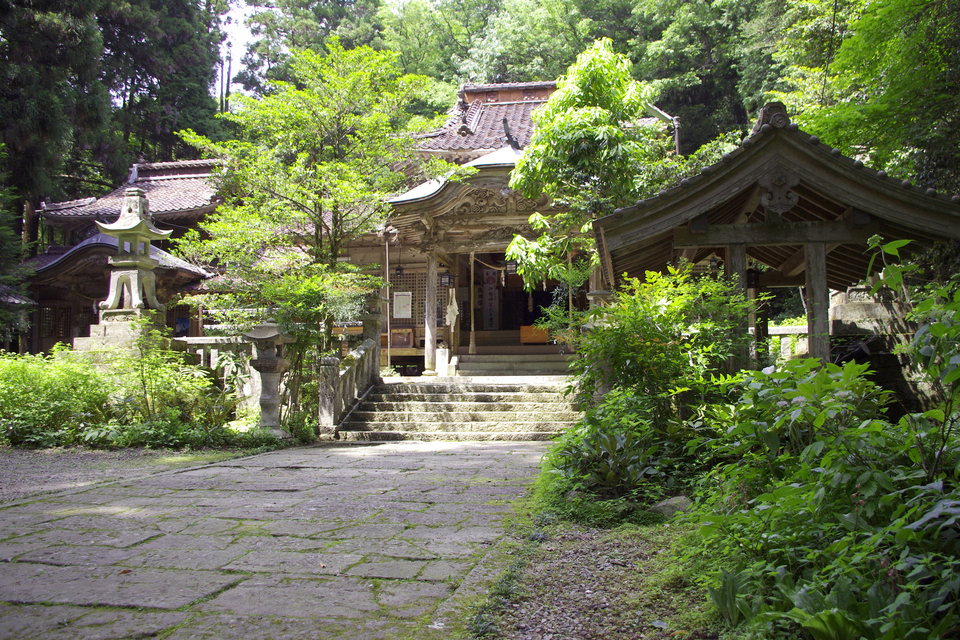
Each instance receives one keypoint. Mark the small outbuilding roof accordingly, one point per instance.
(779, 191)
(177, 191)
(54, 260)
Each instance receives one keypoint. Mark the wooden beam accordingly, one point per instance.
(795, 264)
(699, 224)
(430, 318)
(608, 262)
(753, 201)
(777, 280)
(818, 302)
(784, 234)
(736, 264)
(688, 254)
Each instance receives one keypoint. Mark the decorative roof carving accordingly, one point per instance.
(779, 198)
(482, 200)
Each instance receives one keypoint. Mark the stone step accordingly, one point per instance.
(536, 357)
(419, 415)
(510, 368)
(518, 408)
(468, 397)
(456, 436)
(453, 388)
(491, 426)
(518, 363)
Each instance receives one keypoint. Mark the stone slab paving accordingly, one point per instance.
(393, 541)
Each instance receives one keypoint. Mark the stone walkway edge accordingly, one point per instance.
(393, 540)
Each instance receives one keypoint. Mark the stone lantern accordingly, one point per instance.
(133, 285)
(270, 364)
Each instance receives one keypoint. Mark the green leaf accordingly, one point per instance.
(893, 248)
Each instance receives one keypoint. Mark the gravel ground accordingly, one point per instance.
(28, 472)
(591, 584)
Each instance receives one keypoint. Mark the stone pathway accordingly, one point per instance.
(337, 541)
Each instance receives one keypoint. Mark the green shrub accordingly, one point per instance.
(666, 334)
(302, 426)
(151, 398)
(48, 401)
(623, 446)
(825, 518)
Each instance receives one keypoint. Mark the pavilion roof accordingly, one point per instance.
(782, 187)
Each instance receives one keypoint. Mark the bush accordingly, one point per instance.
(48, 401)
(661, 336)
(621, 447)
(151, 398)
(654, 359)
(823, 515)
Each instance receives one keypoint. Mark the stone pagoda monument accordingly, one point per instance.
(133, 288)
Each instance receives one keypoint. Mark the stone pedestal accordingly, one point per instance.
(271, 370)
(270, 364)
(119, 329)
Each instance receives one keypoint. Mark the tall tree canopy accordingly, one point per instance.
(160, 62)
(590, 154)
(93, 86)
(314, 164)
(584, 154)
(892, 91)
(51, 96)
(283, 26)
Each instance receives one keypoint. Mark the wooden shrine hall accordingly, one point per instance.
(784, 200)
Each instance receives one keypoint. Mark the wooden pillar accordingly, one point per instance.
(430, 318)
(818, 302)
(473, 309)
(736, 265)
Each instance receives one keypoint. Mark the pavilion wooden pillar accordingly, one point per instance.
(736, 265)
(818, 302)
(430, 318)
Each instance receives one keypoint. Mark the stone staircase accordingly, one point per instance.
(528, 364)
(479, 408)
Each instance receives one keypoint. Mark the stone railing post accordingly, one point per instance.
(372, 328)
(328, 394)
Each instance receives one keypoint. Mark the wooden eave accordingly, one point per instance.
(838, 201)
(479, 213)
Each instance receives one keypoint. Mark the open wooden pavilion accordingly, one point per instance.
(785, 200)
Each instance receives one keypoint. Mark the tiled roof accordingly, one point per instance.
(11, 297)
(476, 88)
(475, 126)
(174, 190)
(480, 127)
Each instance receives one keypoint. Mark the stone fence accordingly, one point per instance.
(343, 383)
(207, 353)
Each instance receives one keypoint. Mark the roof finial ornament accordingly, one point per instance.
(773, 114)
(512, 141)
